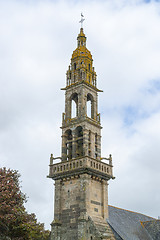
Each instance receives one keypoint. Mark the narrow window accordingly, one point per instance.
(89, 136)
(74, 105)
(69, 144)
(73, 109)
(96, 138)
(79, 141)
(89, 66)
(89, 108)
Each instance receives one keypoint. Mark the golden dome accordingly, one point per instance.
(81, 68)
(81, 51)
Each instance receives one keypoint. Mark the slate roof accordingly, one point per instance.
(127, 225)
(153, 228)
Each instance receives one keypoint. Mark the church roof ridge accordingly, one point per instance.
(130, 211)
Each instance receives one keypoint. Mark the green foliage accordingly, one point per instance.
(15, 222)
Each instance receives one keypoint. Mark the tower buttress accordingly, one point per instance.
(81, 177)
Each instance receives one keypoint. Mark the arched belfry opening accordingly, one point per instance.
(74, 105)
(79, 141)
(68, 134)
(90, 106)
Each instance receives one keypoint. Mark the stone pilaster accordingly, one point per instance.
(57, 201)
(105, 199)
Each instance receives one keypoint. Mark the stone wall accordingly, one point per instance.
(77, 201)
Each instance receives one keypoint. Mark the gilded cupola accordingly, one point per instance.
(81, 67)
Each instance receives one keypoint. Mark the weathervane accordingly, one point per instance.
(82, 20)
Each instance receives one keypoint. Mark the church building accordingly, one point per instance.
(81, 175)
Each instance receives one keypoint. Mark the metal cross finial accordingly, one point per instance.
(82, 20)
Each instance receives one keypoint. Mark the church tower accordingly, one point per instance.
(81, 175)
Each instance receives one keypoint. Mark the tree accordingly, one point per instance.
(15, 222)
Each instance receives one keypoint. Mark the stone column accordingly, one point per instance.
(67, 105)
(64, 147)
(85, 142)
(83, 102)
(95, 104)
(92, 145)
(99, 146)
(73, 144)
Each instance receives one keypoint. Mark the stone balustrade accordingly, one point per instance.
(80, 163)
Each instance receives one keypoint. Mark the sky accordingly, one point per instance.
(36, 44)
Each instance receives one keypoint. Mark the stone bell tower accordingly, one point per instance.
(81, 176)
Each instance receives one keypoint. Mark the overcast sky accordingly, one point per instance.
(37, 39)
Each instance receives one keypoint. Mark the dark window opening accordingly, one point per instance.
(79, 142)
(69, 144)
(96, 138)
(75, 66)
